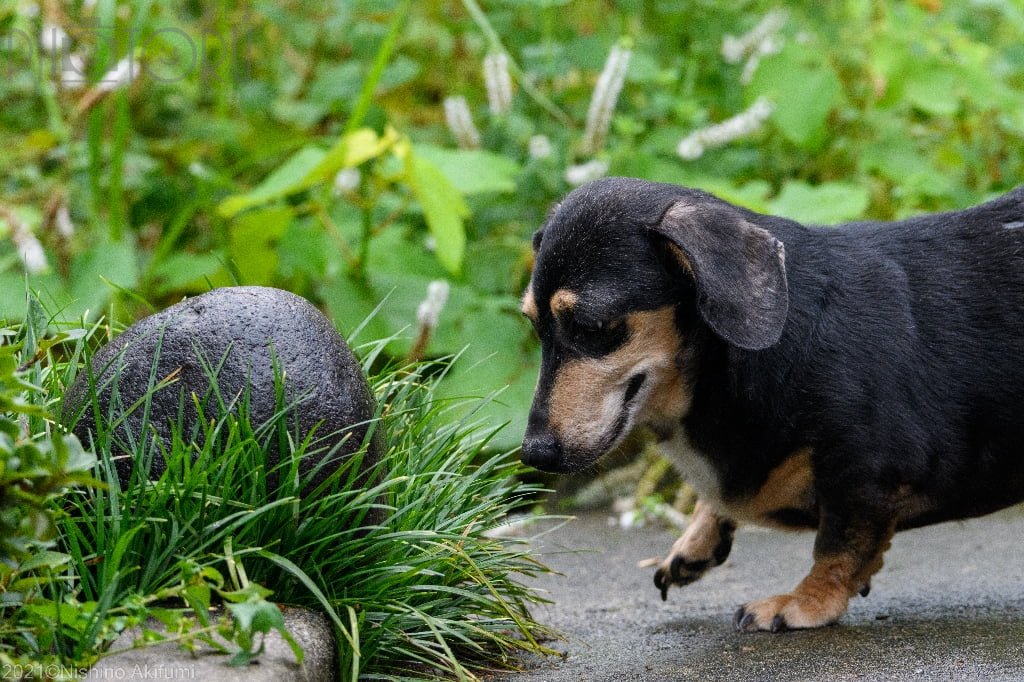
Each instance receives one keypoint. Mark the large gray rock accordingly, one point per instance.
(241, 331)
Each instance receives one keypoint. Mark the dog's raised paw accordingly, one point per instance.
(676, 570)
(787, 612)
(705, 544)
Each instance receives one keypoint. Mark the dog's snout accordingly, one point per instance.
(542, 450)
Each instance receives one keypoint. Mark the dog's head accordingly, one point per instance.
(624, 271)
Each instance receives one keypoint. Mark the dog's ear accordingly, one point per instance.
(739, 270)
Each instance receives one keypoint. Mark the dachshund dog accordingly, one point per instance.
(855, 380)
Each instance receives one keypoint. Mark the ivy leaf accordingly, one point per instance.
(255, 615)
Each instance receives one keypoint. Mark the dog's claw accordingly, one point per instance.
(662, 583)
(678, 572)
(779, 624)
(865, 590)
(742, 619)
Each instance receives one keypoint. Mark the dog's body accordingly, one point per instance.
(857, 379)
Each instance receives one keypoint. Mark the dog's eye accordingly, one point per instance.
(597, 326)
(591, 336)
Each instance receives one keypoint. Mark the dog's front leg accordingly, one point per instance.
(704, 544)
(847, 552)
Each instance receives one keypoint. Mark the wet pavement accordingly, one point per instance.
(948, 605)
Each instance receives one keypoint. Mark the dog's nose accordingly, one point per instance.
(542, 450)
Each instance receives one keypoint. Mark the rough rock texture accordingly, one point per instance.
(239, 330)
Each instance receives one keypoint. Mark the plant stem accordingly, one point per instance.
(377, 68)
(364, 240)
(492, 37)
(226, 60)
(121, 132)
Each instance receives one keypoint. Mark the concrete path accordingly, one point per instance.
(948, 605)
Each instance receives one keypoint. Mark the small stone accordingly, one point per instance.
(243, 331)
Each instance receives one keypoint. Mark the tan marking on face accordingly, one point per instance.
(561, 301)
(587, 395)
(790, 485)
(529, 305)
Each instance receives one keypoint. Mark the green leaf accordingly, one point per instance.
(473, 171)
(349, 302)
(35, 327)
(830, 202)
(186, 272)
(290, 177)
(443, 207)
(495, 359)
(353, 149)
(44, 559)
(311, 165)
(933, 90)
(804, 88)
(94, 272)
(256, 615)
(253, 247)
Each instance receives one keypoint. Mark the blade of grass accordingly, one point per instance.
(380, 61)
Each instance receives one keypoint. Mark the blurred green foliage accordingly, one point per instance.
(36, 465)
(217, 163)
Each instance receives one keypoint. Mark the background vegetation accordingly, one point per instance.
(396, 156)
(212, 156)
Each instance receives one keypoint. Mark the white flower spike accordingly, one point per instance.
(604, 99)
(460, 122)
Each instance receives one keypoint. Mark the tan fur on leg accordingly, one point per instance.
(820, 598)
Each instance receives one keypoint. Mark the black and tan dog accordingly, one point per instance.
(856, 380)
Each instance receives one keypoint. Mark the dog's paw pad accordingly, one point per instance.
(786, 612)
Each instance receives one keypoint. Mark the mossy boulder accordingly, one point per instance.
(245, 337)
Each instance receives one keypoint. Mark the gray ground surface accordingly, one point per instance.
(948, 605)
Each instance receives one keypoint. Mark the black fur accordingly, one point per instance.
(895, 351)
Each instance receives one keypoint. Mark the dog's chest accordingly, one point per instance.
(694, 467)
(784, 498)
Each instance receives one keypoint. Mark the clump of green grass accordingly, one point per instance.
(398, 557)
